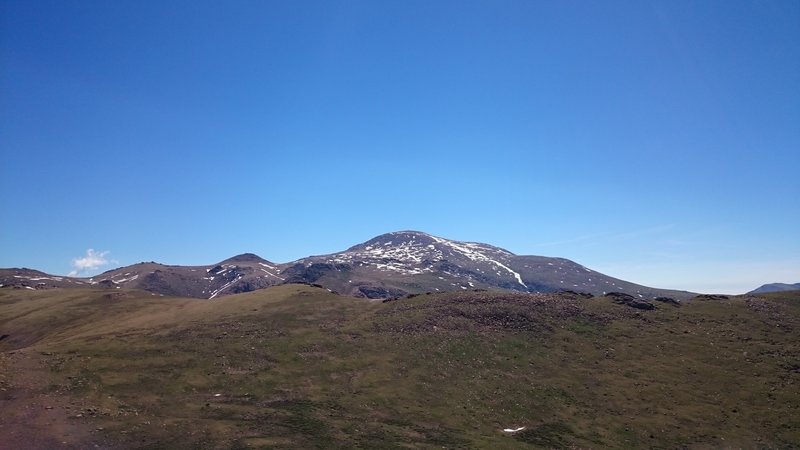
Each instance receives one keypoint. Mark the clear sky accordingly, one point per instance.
(654, 141)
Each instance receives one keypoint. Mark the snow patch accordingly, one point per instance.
(125, 279)
(272, 274)
(38, 278)
(470, 250)
(225, 286)
(397, 267)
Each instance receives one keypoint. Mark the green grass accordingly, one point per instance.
(298, 367)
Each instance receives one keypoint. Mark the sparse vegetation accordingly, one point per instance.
(299, 367)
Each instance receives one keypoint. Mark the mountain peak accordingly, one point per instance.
(420, 241)
(394, 239)
(404, 234)
(245, 257)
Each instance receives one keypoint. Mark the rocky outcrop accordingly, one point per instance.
(629, 300)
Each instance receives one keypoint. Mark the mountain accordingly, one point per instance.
(242, 273)
(411, 262)
(390, 265)
(34, 279)
(775, 287)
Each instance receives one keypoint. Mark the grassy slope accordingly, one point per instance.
(298, 367)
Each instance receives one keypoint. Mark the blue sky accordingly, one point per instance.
(655, 141)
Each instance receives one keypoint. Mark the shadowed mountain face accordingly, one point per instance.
(390, 265)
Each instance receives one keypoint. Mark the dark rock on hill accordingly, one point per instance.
(711, 297)
(379, 292)
(629, 300)
(667, 300)
(577, 294)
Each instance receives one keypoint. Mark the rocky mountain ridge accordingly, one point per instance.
(389, 265)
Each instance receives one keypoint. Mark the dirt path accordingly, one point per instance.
(33, 415)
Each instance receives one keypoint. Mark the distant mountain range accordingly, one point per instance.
(390, 265)
(775, 287)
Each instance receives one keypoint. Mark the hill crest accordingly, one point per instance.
(775, 287)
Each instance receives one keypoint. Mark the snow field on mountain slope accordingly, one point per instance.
(467, 250)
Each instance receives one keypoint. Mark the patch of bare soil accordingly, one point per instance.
(34, 415)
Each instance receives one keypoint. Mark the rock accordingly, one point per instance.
(577, 294)
(379, 292)
(668, 300)
(108, 284)
(629, 300)
(618, 296)
(711, 297)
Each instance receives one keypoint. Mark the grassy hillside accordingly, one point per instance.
(298, 367)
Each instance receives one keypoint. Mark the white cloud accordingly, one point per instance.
(92, 261)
